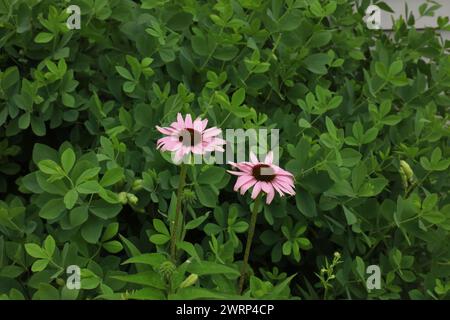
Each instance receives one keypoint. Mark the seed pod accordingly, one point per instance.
(407, 170)
(189, 281)
(404, 178)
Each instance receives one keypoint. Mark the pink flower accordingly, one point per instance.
(263, 177)
(185, 136)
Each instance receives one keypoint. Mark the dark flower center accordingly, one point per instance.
(190, 137)
(263, 172)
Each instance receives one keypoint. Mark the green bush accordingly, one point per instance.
(363, 119)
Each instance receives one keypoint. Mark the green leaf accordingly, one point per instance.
(68, 100)
(70, 198)
(304, 243)
(47, 292)
(112, 176)
(49, 167)
(381, 70)
(370, 135)
(349, 216)
(78, 216)
(434, 217)
(160, 227)
(36, 251)
(129, 86)
(52, 209)
(110, 231)
(88, 187)
(320, 39)
(39, 265)
(238, 97)
(302, 123)
(189, 248)
(159, 239)
(206, 196)
(426, 164)
(49, 245)
(113, 246)
(24, 121)
(91, 230)
(395, 68)
(316, 63)
(212, 175)
(147, 278)
(209, 267)
(305, 203)
(124, 73)
(108, 195)
(68, 159)
(287, 248)
(196, 222)
(43, 37)
(87, 174)
(151, 259)
(105, 210)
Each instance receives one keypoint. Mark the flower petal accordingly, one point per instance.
(180, 121)
(211, 132)
(269, 158)
(247, 186)
(188, 121)
(241, 181)
(253, 158)
(198, 125)
(166, 130)
(204, 124)
(256, 190)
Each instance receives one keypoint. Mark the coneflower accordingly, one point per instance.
(265, 178)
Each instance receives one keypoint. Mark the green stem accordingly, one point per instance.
(325, 293)
(174, 235)
(251, 233)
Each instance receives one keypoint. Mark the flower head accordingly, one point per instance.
(263, 177)
(185, 136)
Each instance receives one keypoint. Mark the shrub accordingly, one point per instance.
(363, 120)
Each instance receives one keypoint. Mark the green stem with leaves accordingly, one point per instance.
(174, 235)
(251, 233)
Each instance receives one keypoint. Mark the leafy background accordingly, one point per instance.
(82, 184)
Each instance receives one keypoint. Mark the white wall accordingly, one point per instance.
(413, 5)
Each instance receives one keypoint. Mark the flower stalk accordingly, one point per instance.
(251, 233)
(174, 235)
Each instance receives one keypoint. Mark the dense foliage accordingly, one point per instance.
(363, 119)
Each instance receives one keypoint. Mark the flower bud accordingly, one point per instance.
(337, 255)
(189, 196)
(123, 198)
(60, 282)
(166, 269)
(189, 281)
(137, 185)
(132, 198)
